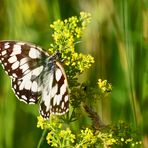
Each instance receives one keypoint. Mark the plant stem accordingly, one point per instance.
(42, 138)
(130, 57)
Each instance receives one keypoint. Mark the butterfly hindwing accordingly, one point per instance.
(25, 94)
(57, 90)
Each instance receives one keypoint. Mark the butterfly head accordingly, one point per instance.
(57, 56)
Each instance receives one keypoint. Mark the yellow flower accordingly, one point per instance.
(104, 86)
(49, 138)
(65, 34)
(129, 140)
(40, 123)
(122, 139)
(66, 134)
(88, 136)
(140, 142)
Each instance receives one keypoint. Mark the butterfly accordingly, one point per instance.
(36, 76)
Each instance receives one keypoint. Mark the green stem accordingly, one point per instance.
(130, 61)
(42, 138)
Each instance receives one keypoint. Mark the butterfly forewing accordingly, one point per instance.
(35, 74)
(18, 58)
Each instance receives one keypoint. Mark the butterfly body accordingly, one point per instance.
(36, 76)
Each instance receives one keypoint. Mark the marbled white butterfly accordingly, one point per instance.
(36, 76)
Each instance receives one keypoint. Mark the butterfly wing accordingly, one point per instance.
(56, 89)
(25, 94)
(19, 58)
(24, 63)
(34, 73)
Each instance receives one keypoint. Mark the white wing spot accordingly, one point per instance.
(37, 71)
(16, 50)
(47, 82)
(57, 99)
(63, 89)
(14, 75)
(23, 61)
(66, 98)
(58, 74)
(7, 45)
(28, 85)
(54, 90)
(15, 65)
(4, 52)
(14, 86)
(32, 100)
(24, 67)
(24, 97)
(26, 77)
(62, 106)
(22, 85)
(34, 86)
(34, 53)
(12, 59)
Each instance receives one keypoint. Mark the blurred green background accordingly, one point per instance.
(117, 37)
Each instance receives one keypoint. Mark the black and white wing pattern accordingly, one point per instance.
(55, 87)
(35, 76)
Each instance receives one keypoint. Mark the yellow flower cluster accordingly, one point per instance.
(50, 139)
(107, 139)
(130, 140)
(66, 34)
(56, 137)
(70, 29)
(42, 123)
(87, 137)
(79, 62)
(67, 134)
(104, 86)
(59, 136)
